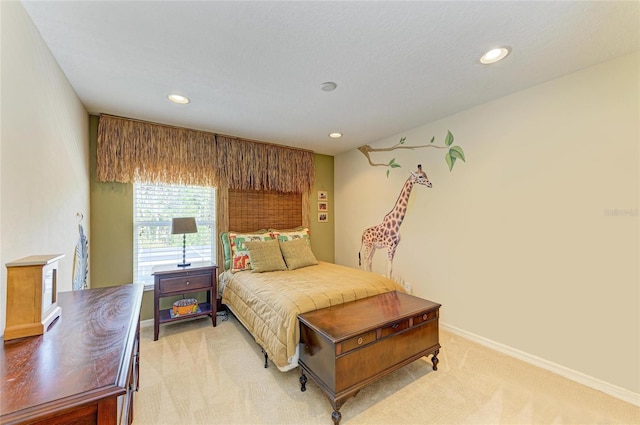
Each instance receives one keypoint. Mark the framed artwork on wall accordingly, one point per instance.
(322, 195)
(323, 206)
(323, 217)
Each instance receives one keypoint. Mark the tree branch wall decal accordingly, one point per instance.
(454, 152)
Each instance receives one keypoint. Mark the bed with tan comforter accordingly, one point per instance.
(268, 304)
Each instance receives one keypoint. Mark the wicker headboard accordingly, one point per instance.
(250, 210)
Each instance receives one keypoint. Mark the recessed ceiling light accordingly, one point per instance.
(494, 55)
(176, 98)
(328, 86)
(335, 135)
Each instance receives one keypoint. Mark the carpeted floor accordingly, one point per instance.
(198, 374)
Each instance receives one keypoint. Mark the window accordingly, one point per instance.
(154, 205)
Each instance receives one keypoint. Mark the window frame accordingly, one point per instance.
(170, 252)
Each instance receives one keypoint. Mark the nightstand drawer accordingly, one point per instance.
(187, 283)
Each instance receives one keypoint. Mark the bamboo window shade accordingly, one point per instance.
(251, 210)
(130, 150)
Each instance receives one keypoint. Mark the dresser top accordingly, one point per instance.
(80, 356)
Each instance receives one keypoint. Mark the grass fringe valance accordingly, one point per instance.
(131, 150)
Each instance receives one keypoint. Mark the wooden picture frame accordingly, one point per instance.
(323, 206)
(323, 195)
(323, 217)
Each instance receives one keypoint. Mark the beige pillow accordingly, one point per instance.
(265, 256)
(297, 253)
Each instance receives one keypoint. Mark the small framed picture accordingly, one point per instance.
(323, 206)
(323, 217)
(322, 195)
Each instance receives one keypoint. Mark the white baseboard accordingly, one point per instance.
(589, 381)
(146, 323)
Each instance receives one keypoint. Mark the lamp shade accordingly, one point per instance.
(181, 225)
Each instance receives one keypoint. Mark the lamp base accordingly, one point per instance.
(184, 252)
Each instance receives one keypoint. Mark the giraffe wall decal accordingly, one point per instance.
(387, 234)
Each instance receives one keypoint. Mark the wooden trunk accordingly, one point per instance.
(347, 347)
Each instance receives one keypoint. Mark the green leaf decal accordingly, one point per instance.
(433, 139)
(393, 160)
(387, 173)
(394, 165)
(402, 140)
(450, 160)
(456, 152)
(449, 139)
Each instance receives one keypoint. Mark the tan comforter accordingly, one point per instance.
(267, 304)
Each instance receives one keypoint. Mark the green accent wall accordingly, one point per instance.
(111, 242)
(111, 245)
(323, 234)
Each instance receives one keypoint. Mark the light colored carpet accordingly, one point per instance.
(198, 374)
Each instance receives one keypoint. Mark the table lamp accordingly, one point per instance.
(183, 225)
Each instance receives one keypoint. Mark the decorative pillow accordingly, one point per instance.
(239, 254)
(297, 253)
(265, 256)
(288, 235)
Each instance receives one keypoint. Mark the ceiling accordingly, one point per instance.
(254, 69)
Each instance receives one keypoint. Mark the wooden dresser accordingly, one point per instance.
(349, 346)
(84, 370)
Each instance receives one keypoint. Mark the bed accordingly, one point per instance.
(267, 304)
(266, 292)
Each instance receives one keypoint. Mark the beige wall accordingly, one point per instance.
(112, 227)
(44, 153)
(533, 242)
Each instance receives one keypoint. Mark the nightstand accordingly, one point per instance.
(174, 280)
